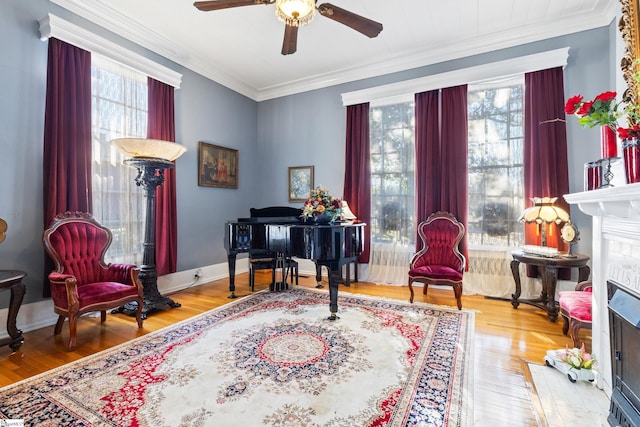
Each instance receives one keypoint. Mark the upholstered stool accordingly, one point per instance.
(575, 308)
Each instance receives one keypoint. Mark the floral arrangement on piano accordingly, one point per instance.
(321, 207)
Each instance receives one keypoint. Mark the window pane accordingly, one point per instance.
(119, 109)
(392, 173)
(495, 166)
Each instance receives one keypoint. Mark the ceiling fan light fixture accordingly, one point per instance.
(295, 13)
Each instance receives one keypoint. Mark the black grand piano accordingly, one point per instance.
(281, 232)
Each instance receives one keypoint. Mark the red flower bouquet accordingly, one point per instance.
(602, 111)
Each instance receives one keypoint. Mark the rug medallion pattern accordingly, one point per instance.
(271, 359)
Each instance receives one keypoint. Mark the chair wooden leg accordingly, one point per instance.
(72, 332)
(425, 288)
(574, 326)
(139, 312)
(457, 291)
(574, 331)
(565, 324)
(410, 290)
(103, 316)
(251, 277)
(59, 323)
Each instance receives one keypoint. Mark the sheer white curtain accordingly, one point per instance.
(119, 109)
(490, 275)
(388, 263)
(489, 271)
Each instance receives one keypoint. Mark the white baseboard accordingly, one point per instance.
(40, 314)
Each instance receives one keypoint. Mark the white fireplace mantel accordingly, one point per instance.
(615, 256)
(621, 202)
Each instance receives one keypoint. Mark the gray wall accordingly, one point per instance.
(297, 130)
(205, 111)
(309, 128)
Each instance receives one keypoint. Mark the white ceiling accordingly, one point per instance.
(240, 47)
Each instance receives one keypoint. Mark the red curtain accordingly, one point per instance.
(427, 151)
(441, 155)
(357, 171)
(545, 145)
(545, 149)
(67, 135)
(454, 157)
(161, 125)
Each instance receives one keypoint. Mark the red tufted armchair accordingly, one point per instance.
(439, 262)
(82, 282)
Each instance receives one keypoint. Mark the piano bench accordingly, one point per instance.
(270, 264)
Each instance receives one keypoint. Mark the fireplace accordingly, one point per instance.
(615, 266)
(624, 330)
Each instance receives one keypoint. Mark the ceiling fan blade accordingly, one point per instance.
(359, 23)
(206, 6)
(290, 42)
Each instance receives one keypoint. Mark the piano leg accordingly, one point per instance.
(344, 281)
(231, 260)
(335, 276)
(318, 276)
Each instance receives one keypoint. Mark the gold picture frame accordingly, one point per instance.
(628, 26)
(300, 183)
(217, 166)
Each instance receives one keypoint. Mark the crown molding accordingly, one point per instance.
(110, 19)
(458, 50)
(101, 14)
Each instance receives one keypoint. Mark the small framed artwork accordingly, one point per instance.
(217, 166)
(300, 182)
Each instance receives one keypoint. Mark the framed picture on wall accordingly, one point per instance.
(300, 182)
(217, 166)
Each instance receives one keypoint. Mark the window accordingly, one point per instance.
(496, 182)
(392, 173)
(119, 109)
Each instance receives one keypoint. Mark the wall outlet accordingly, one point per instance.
(197, 274)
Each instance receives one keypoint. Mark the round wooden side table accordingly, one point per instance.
(12, 280)
(549, 267)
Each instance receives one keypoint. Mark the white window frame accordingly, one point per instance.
(54, 26)
(392, 93)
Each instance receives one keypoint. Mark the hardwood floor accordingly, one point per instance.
(505, 341)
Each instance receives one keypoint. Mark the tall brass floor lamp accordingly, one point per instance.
(151, 157)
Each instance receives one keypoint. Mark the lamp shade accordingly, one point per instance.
(346, 212)
(543, 210)
(152, 148)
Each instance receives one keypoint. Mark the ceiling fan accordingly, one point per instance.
(296, 13)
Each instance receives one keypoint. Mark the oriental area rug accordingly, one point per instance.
(270, 359)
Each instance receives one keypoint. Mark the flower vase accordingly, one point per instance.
(324, 218)
(631, 153)
(592, 175)
(608, 142)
